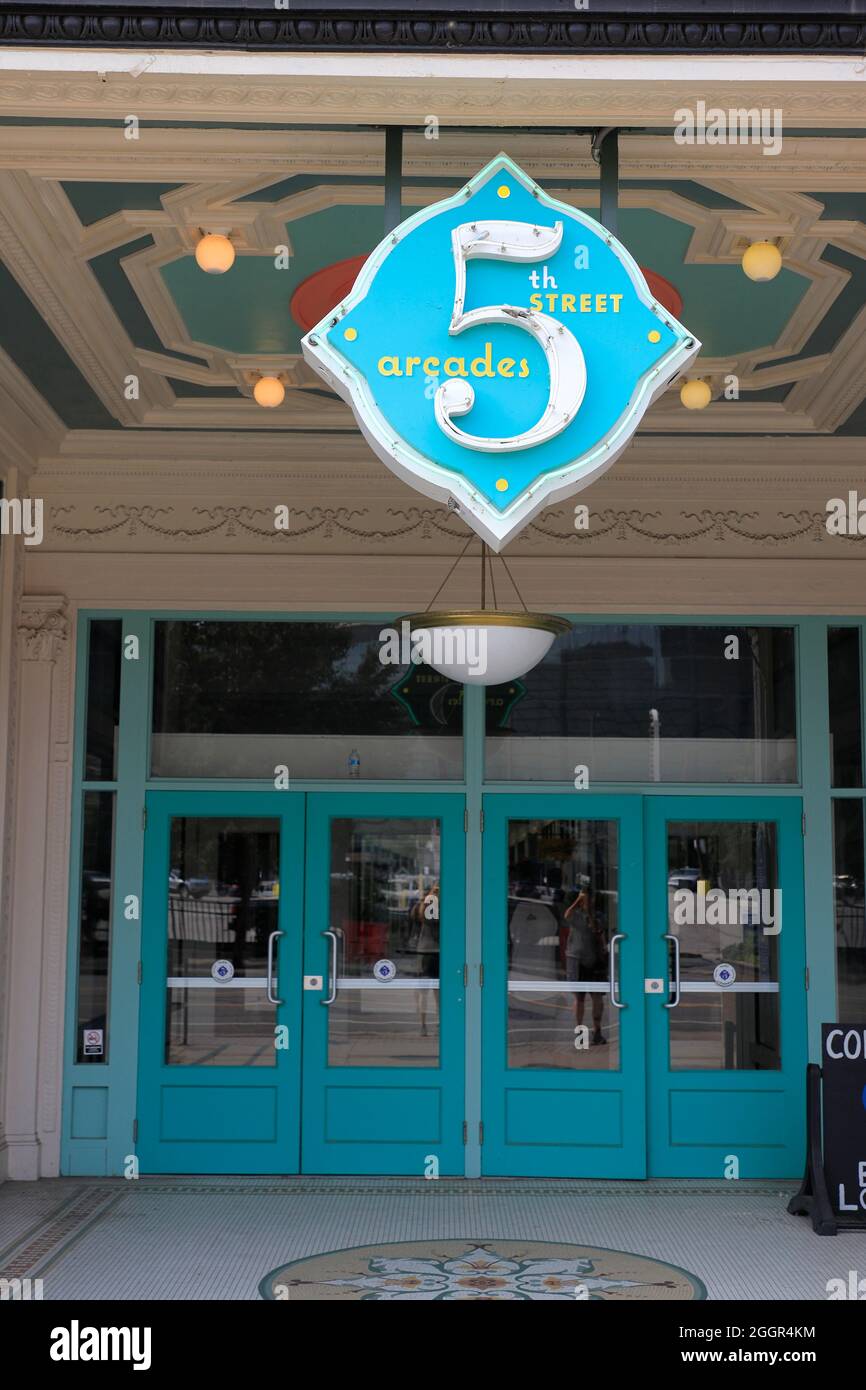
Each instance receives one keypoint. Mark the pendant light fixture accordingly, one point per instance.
(696, 394)
(269, 391)
(214, 253)
(483, 646)
(762, 261)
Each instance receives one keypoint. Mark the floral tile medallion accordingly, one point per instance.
(479, 1270)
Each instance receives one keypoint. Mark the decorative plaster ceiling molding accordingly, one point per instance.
(833, 395)
(463, 90)
(184, 526)
(28, 425)
(718, 235)
(68, 296)
(259, 157)
(301, 410)
(191, 457)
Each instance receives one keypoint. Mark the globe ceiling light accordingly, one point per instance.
(484, 646)
(214, 253)
(762, 260)
(695, 394)
(269, 391)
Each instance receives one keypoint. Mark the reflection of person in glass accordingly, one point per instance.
(585, 951)
(427, 947)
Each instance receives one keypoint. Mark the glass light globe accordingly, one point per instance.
(696, 394)
(486, 647)
(269, 391)
(762, 260)
(214, 253)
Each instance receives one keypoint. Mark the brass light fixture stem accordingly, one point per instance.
(486, 562)
(449, 574)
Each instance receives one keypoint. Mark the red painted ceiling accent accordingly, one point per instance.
(322, 290)
(325, 288)
(667, 294)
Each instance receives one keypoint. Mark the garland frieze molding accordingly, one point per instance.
(432, 525)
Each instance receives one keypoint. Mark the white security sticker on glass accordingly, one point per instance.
(724, 974)
(222, 970)
(384, 970)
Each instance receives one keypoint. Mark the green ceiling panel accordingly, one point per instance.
(117, 287)
(721, 306)
(844, 308)
(247, 310)
(93, 201)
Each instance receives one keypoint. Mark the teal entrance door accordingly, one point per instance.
(303, 975)
(384, 985)
(644, 1004)
(219, 1044)
(563, 1088)
(726, 1033)
(263, 1039)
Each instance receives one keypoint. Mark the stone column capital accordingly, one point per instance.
(43, 626)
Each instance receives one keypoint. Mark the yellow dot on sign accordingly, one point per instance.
(501, 484)
(350, 335)
(504, 191)
(654, 335)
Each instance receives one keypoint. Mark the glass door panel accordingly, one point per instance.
(384, 912)
(219, 1073)
(724, 920)
(383, 1011)
(726, 1036)
(563, 1065)
(563, 914)
(223, 906)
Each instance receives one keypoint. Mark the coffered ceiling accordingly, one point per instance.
(108, 326)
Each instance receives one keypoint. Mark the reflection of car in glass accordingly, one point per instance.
(188, 887)
(685, 879)
(197, 887)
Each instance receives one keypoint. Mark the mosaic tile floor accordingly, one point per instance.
(221, 1238)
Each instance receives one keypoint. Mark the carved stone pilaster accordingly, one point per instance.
(38, 874)
(43, 627)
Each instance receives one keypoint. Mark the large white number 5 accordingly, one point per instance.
(512, 241)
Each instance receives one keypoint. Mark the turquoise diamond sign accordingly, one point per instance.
(499, 349)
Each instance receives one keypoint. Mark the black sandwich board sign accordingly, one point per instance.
(833, 1192)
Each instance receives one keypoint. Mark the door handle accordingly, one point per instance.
(272, 999)
(333, 981)
(614, 989)
(672, 1003)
